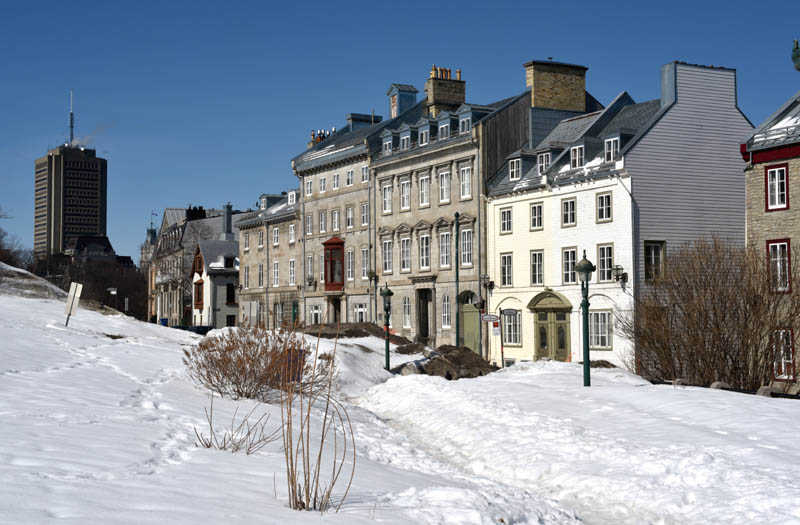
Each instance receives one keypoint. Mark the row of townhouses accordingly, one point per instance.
(464, 209)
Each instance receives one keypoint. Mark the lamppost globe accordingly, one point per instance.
(584, 269)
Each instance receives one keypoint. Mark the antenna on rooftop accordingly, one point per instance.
(71, 120)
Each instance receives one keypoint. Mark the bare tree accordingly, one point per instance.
(718, 312)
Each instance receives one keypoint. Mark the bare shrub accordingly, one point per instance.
(246, 436)
(712, 315)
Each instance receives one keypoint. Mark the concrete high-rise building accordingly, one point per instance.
(70, 198)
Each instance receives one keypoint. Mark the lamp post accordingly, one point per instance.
(584, 270)
(387, 294)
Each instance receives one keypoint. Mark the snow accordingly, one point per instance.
(101, 430)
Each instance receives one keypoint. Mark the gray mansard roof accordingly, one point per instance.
(278, 212)
(215, 252)
(780, 128)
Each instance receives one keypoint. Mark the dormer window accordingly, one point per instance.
(543, 162)
(576, 157)
(291, 198)
(612, 149)
(263, 203)
(514, 171)
(465, 125)
(387, 147)
(444, 131)
(424, 137)
(405, 143)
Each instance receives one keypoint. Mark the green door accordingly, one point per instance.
(472, 318)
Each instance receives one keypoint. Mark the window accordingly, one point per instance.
(309, 225)
(275, 236)
(309, 187)
(576, 157)
(387, 199)
(387, 256)
(322, 220)
(424, 251)
(777, 188)
(261, 239)
(335, 181)
(543, 162)
(604, 207)
(424, 191)
(387, 147)
(260, 275)
(323, 184)
(568, 212)
(246, 241)
(405, 195)
(446, 316)
(511, 322)
(349, 179)
(310, 266)
(444, 249)
(444, 131)
(405, 142)
(198, 295)
(291, 198)
(364, 263)
(514, 169)
(316, 314)
(291, 272)
(405, 255)
(778, 252)
(423, 137)
(406, 312)
(568, 256)
(612, 149)
(322, 268)
(247, 277)
(364, 174)
(783, 346)
(444, 186)
(349, 263)
(653, 259)
(466, 247)
(335, 220)
(465, 125)
(537, 267)
(275, 274)
(230, 293)
(506, 275)
(466, 182)
(600, 330)
(364, 214)
(263, 203)
(505, 220)
(360, 311)
(605, 263)
(348, 217)
(278, 309)
(536, 216)
(291, 234)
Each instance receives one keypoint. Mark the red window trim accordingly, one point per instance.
(791, 376)
(766, 186)
(788, 261)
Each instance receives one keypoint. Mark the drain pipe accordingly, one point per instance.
(457, 262)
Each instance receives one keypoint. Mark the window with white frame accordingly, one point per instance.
(444, 131)
(316, 314)
(423, 137)
(275, 234)
(360, 312)
(444, 186)
(322, 268)
(783, 348)
(246, 242)
(466, 182)
(291, 272)
(536, 216)
(568, 258)
(247, 277)
(263, 203)
(405, 195)
(605, 263)
(275, 274)
(424, 251)
(364, 174)
(387, 198)
(309, 225)
(604, 207)
(348, 217)
(511, 322)
(291, 234)
(537, 267)
(466, 247)
(465, 125)
(364, 214)
(323, 184)
(292, 198)
(653, 259)
(364, 263)
(505, 220)
(387, 256)
(406, 312)
(777, 188)
(278, 309)
(506, 270)
(405, 142)
(446, 315)
(612, 149)
(444, 249)
(322, 220)
(779, 265)
(568, 212)
(349, 179)
(514, 169)
(424, 190)
(310, 266)
(335, 181)
(260, 275)
(387, 147)
(405, 255)
(261, 238)
(600, 330)
(543, 162)
(335, 220)
(349, 265)
(576, 157)
(309, 187)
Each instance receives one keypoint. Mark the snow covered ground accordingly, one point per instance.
(100, 429)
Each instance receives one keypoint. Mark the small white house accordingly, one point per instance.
(215, 276)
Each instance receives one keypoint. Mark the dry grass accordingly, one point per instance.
(244, 436)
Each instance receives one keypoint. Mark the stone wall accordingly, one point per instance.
(765, 225)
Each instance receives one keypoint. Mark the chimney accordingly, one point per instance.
(401, 98)
(556, 85)
(227, 218)
(359, 120)
(443, 92)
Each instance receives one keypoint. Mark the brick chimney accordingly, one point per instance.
(556, 85)
(444, 93)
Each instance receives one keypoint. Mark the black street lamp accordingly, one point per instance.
(387, 294)
(584, 270)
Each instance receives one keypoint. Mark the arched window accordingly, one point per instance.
(406, 312)
(446, 317)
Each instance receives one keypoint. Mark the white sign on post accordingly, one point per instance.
(72, 300)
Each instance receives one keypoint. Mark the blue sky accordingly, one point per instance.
(203, 103)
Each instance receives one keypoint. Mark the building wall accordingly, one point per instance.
(763, 225)
(252, 297)
(287, 291)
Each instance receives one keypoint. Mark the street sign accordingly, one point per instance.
(489, 318)
(508, 312)
(496, 331)
(72, 300)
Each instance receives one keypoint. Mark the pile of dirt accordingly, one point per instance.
(331, 331)
(411, 348)
(449, 362)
